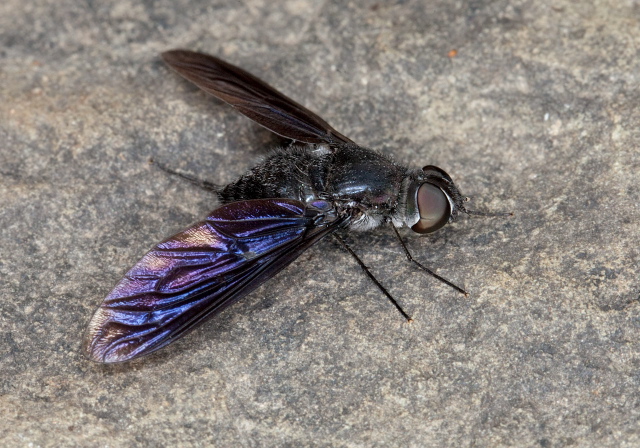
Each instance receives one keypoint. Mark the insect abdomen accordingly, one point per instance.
(283, 174)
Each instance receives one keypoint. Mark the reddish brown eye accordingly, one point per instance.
(434, 209)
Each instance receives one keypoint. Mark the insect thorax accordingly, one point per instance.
(350, 176)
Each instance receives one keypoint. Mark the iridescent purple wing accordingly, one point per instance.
(253, 97)
(198, 272)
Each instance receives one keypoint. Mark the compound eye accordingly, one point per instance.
(434, 209)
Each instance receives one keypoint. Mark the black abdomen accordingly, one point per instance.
(283, 174)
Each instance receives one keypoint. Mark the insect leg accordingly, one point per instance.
(206, 185)
(424, 268)
(372, 277)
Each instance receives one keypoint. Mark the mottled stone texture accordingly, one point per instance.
(538, 113)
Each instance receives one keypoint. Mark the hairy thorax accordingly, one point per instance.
(363, 182)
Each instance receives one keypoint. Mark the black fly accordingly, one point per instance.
(269, 216)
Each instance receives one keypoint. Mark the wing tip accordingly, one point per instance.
(94, 351)
(98, 343)
(173, 57)
(181, 55)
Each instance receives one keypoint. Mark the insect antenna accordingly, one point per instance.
(481, 213)
(490, 214)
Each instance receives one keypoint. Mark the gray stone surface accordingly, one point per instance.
(538, 114)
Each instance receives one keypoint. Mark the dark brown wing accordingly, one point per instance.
(253, 97)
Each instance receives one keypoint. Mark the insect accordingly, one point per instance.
(268, 217)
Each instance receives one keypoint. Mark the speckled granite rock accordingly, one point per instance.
(538, 113)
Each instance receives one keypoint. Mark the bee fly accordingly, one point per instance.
(269, 216)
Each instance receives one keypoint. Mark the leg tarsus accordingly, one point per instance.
(424, 268)
(372, 277)
(205, 185)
